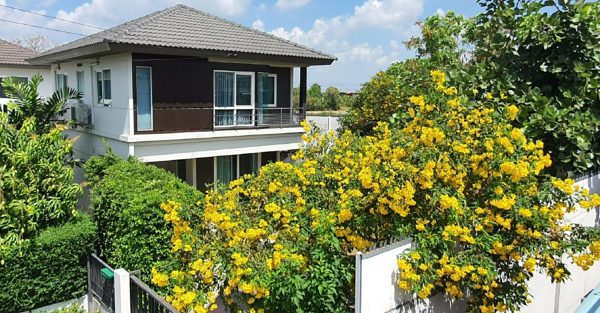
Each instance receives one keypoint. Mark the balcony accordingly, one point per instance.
(191, 119)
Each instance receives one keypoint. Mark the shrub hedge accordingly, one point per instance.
(126, 203)
(49, 268)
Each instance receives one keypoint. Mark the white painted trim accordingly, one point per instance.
(222, 152)
(151, 101)
(211, 134)
(248, 61)
(194, 173)
(274, 104)
(122, 291)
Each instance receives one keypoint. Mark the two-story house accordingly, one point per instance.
(13, 63)
(203, 97)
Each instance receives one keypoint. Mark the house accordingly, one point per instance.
(203, 97)
(13, 63)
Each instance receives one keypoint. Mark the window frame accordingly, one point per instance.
(101, 100)
(235, 108)
(65, 80)
(237, 164)
(151, 102)
(274, 104)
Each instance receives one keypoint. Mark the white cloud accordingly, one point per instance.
(259, 25)
(290, 4)
(357, 62)
(10, 31)
(440, 12)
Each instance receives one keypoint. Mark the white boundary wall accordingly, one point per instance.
(377, 271)
(325, 123)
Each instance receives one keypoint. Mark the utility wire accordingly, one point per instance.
(49, 16)
(48, 28)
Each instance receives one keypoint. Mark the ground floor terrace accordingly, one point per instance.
(203, 172)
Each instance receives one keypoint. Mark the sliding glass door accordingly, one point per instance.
(143, 81)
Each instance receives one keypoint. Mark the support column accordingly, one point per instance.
(303, 90)
(122, 291)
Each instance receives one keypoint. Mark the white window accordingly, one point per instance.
(80, 81)
(103, 87)
(268, 90)
(62, 81)
(233, 98)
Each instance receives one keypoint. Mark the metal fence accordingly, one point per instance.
(101, 286)
(145, 300)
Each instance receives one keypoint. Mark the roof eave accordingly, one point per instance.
(229, 55)
(97, 49)
(23, 65)
(105, 48)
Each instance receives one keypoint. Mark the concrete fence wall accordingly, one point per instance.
(325, 123)
(377, 274)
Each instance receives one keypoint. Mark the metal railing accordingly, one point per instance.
(183, 118)
(100, 287)
(145, 300)
(258, 118)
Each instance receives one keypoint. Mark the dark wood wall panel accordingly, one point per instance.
(182, 90)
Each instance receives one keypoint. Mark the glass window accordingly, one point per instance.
(80, 82)
(268, 157)
(103, 87)
(61, 81)
(224, 89)
(243, 89)
(232, 92)
(106, 84)
(268, 86)
(248, 164)
(143, 86)
(99, 86)
(226, 168)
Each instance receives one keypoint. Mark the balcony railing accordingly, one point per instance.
(176, 119)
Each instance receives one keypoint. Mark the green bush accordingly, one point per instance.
(47, 269)
(126, 203)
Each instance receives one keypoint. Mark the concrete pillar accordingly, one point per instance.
(303, 89)
(122, 291)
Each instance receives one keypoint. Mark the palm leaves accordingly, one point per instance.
(26, 102)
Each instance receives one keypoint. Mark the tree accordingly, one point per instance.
(450, 171)
(27, 103)
(36, 184)
(315, 100)
(332, 98)
(36, 42)
(545, 56)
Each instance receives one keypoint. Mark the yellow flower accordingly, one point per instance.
(447, 202)
(511, 112)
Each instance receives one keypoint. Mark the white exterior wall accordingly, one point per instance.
(377, 274)
(109, 123)
(46, 87)
(566, 297)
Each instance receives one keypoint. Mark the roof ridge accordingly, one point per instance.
(255, 30)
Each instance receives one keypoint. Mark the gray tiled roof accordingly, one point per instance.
(185, 27)
(13, 54)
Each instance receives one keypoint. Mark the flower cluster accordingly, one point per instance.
(452, 173)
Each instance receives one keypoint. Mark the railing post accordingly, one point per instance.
(122, 291)
(89, 284)
(358, 282)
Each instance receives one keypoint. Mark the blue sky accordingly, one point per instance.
(366, 35)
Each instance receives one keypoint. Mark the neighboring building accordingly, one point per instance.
(13, 63)
(203, 97)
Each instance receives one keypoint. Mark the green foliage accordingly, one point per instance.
(330, 99)
(550, 62)
(440, 47)
(26, 102)
(36, 186)
(126, 203)
(49, 268)
(96, 166)
(542, 55)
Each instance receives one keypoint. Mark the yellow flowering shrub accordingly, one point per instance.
(448, 171)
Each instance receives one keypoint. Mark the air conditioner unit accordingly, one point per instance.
(81, 114)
